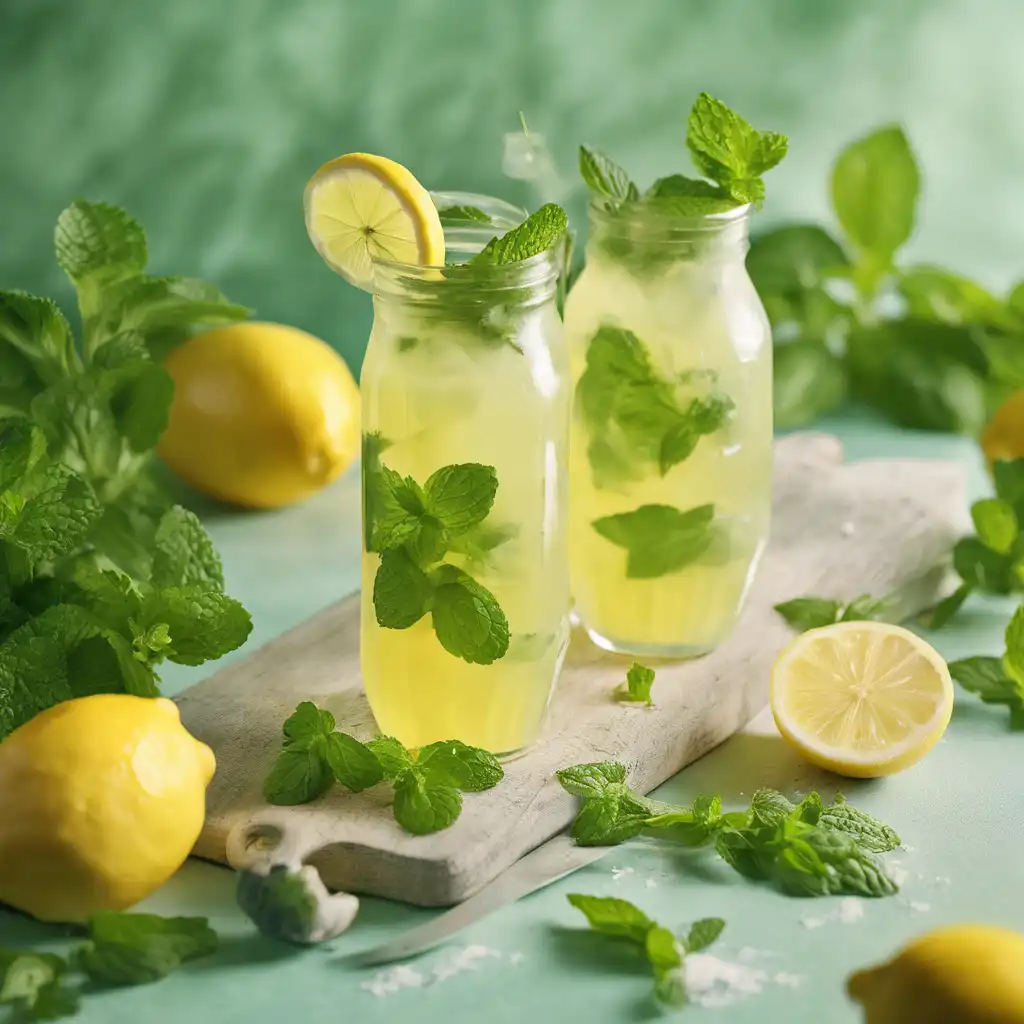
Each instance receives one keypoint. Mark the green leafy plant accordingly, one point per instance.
(122, 949)
(804, 613)
(806, 849)
(428, 783)
(413, 528)
(998, 680)
(927, 348)
(637, 687)
(666, 953)
(101, 576)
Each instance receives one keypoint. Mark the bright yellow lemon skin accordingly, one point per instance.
(963, 974)
(103, 799)
(263, 416)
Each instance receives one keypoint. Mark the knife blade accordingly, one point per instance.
(548, 863)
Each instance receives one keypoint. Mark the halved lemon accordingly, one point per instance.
(861, 698)
(360, 207)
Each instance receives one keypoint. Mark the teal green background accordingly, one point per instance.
(959, 813)
(205, 119)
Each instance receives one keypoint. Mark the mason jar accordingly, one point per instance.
(671, 447)
(465, 568)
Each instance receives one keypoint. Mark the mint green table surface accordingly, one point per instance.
(959, 813)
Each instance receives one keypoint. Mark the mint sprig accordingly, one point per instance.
(998, 680)
(637, 687)
(621, 920)
(805, 849)
(635, 415)
(413, 528)
(658, 539)
(428, 783)
(804, 613)
(121, 949)
(541, 231)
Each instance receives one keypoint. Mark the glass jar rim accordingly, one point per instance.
(639, 213)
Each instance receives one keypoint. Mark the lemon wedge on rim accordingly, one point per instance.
(360, 207)
(861, 698)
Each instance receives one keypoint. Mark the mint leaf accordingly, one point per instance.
(538, 233)
(870, 833)
(1014, 657)
(24, 975)
(184, 552)
(373, 445)
(938, 294)
(393, 757)
(398, 507)
(808, 810)
(133, 949)
(662, 949)
(1009, 480)
(612, 916)
(937, 617)
(473, 769)
(703, 933)
(769, 807)
(605, 178)
(467, 619)
(53, 1002)
(301, 773)
(875, 187)
(20, 447)
(478, 542)
(996, 524)
(99, 242)
(679, 186)
(456, 215)
(804, 613)
(308, 723)
(981, 567)
(809, 381)
(850, 869)
(204, 623)
(142, 406)
(39, 332)
(147, 304)
(422, 808)
(461, 495)
(637, 687)
(659, 539)
(354, 764)
(57, 516)
(790, 261)
(591, 780)
(986, 677)
(402, 593)
(726, 149)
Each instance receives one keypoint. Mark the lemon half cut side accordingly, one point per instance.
(863, 699)
(360, 207)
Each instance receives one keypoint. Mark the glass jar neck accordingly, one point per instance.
(637, 233)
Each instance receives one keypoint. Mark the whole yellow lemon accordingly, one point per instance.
(263, 415)
(1003, 438)
(102, 800)
(964, 974)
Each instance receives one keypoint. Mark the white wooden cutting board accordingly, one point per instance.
(838, 530)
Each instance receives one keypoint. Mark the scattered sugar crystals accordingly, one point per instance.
(402, 976)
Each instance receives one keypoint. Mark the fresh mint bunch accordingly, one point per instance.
(806, 849)
(101, 577)
(924, 346)
(413, 528)
(998, 680)
(72, 624)
(725, 148)
(122, 949)
(623, 921)
(637, 687)
(428, 783)
(637, 417)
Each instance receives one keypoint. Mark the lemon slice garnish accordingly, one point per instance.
(361, 207)
(861, 698)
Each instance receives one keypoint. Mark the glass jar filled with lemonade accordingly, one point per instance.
(465, 408)
(671, 356)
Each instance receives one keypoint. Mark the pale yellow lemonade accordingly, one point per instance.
(672, 431)
(475, 377)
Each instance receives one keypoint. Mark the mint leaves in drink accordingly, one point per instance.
(628, 924)
(659, 539)
(541, 231)
(635, 415)
(724, 147)
(637, 687)
(413, 528)
(428, 783)
(806, 849)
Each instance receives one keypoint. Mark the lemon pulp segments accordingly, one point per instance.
(861, 698)
(362, 207)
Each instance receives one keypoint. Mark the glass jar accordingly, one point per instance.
(465, 393)
(671, 447)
